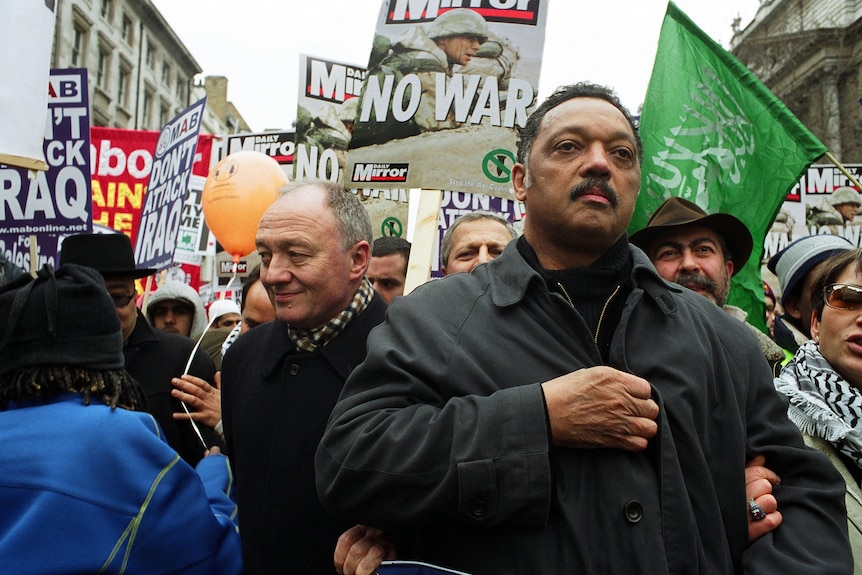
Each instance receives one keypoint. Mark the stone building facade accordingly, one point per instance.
(140, 73)
(809, 53)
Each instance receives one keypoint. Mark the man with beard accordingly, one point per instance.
(702, 252)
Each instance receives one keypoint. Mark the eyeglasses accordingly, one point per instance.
(843, 296)
(122, 299)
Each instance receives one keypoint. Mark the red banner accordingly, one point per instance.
(120, 163)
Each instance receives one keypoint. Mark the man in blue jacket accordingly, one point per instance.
(564, 409)
(87, 482)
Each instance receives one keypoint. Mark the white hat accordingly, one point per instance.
(220, 307)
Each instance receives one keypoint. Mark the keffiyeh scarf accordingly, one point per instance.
(822, 403)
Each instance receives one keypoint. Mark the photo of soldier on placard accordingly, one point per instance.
(456, 41)
(446, 82)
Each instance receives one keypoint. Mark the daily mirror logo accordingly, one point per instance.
(332, 82)
(507, 11)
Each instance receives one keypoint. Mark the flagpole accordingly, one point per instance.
(844, 171)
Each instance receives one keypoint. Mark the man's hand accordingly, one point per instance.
(601, 407)
(361, 549)
(758, 486)
(202, 399)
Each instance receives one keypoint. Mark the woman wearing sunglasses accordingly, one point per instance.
(823, 381)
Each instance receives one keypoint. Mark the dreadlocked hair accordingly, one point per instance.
(115, 388)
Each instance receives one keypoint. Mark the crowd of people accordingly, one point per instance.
(571, 399)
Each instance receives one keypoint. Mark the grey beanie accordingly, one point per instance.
(62, 318)
(794, 262)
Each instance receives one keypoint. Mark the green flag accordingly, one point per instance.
(715, 135)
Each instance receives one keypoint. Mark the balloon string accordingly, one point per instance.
(185, 372)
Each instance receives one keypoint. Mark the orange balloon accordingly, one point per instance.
(237, 192)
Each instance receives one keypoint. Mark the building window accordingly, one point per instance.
(128, 30)
(79, 46)
(103, 66)
(166, 74)
(123, 79)
(107, 10)
(151, 55)
(164, 115)
(147, 112)
(180, 88)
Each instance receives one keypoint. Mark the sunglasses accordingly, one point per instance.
(843, 296)
(122, 299)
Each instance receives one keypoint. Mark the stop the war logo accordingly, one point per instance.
(380, 172)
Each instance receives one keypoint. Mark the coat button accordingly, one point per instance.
(294, 369)
(634, 511)
(479, 509)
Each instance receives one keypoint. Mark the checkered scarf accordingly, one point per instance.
(822, 403)
(311, 339)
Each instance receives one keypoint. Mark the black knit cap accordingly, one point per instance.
(60, 318)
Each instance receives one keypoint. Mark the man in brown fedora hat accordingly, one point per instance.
(152, 356)
(702, 252)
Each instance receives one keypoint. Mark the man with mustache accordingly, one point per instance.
(564, 409)
(702, 252)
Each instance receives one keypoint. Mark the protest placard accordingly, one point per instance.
(325, 114)
(810, 208)
(48, 204)
(278, 145)
(167, 188)
(446, 90)
(121, 164)
(27, 29)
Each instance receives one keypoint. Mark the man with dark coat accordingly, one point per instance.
(281, 379)
(8, 270)
(153, 357)
(564, 409)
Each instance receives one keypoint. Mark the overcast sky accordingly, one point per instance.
(256, 43)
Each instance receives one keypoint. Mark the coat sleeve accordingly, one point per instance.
(812, 537)
(183, 520)
(406, 444)
(191, 520)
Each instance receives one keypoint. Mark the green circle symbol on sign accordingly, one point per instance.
(392, 227)
(494, 165)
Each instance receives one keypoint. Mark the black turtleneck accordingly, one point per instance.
(590, 290)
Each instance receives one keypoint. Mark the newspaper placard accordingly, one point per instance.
(167, 187)
(824, 201)
(279, 146)
(446, 90)
(55, 202)
(325, 114)
(388, 208)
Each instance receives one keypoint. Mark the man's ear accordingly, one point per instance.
(519, 171)
(360, 256)
(729, 264)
